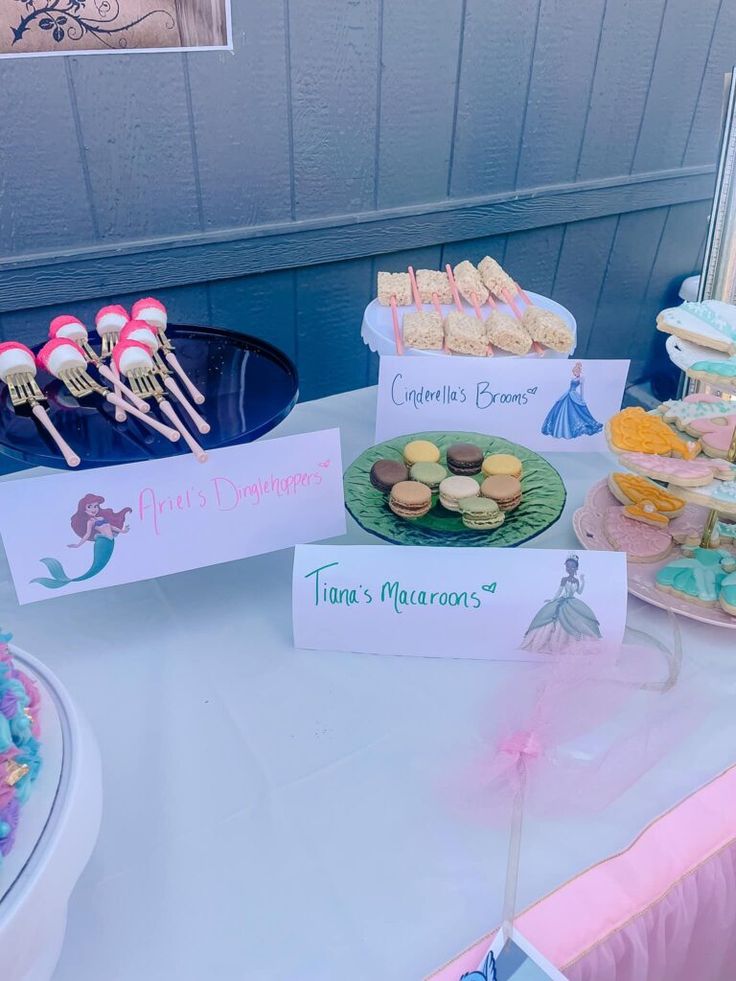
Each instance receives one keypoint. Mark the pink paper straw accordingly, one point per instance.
(453, 287)
(415, 290)
(397, 329)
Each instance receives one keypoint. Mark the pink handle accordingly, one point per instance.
(202, 425)
(453, 287)
(397, 329)
(191, 442)
(523, 295)
(72, 460)
(509, 300)
(415, 290)
(189, 384)
(112, 375)
(120, 415)
(167, 431)
(476, 305)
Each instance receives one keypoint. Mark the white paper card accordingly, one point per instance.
(543, 404)
(514, 960)
(492, 603)
(95, 528)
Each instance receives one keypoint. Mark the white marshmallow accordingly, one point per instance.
(63, 358)
(144, 336)
(111, 323)
(133, 357)
(73, 332)
(154, 316)
(14, 360)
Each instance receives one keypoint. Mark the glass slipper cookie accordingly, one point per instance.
(711, 324)
(696, 577)
(635, 430)
(644, 500)
(410, 499)
(431, 474)
(701, 405)
(718, 494)
(678, 473)
(481, 514)
(455, 489)
(641, 542)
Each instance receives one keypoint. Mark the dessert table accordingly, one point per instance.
(272, 813)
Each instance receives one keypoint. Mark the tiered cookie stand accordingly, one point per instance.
(56, 834)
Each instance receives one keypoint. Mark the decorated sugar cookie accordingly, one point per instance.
(722, 373)
(644, 500)
(681, 412)
(679, 473)
(727, 594)
(696, 577)
(716, 435)
(638, 431)
(719, 494)
(642, 543)
(711, 324)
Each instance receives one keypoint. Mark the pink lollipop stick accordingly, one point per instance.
(112, 375)
(119, 410)
(202, 425)
(168, 411)
(167, 431)
(438, 310)
(71, 458)
(188, 383)
(453, 287)
(415, 290)
(523, 295)
(397, 329)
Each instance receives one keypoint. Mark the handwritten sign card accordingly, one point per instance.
(544, 404)
(494, 603)
(86, 530)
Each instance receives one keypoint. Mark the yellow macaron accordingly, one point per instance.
(502, 464)
(420, 451)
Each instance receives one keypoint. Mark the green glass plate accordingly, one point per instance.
(542, 504)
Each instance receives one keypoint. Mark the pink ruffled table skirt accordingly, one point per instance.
(664, 909)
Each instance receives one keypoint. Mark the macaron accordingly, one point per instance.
(453, 490)
(503, 489)
(502, 463)
(481, 514)
(410, 499)
(385, 473)
(464, 459)
(431, 474)
(420, 451)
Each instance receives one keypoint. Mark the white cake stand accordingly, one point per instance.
(57, 831)
(378, 332)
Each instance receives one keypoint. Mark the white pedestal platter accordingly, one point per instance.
(57, 831)
(377, 329)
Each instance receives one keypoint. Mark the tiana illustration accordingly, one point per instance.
(570, 417)
(90, 523)
(564, 624)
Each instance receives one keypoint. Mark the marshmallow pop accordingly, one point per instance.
(153, 312)
(139, 330)
(18, 371)
(64, 360)
(134, 360)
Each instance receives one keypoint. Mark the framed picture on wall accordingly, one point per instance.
(63, 27)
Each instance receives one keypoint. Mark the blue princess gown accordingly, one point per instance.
(570, 417)
(564, 624)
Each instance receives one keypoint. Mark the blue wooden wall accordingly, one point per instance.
(262, 189)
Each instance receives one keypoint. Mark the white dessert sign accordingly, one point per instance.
(544, 404)
(489, 603)
(94, 528)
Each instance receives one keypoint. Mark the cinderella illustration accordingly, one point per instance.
(90, 523)
(570, 417)
(564, 624)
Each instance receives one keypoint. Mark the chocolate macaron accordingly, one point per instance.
(464, 459)
(386, 473)
(504, 490)
(410, 499)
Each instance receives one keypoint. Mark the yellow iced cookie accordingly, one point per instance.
(635, 430)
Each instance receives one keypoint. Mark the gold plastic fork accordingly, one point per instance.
(144, 383)
(24, 390)
(164, 373)
(168, 349)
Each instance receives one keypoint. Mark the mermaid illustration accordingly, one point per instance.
(90, 523)
(570, 417)
(564, 624)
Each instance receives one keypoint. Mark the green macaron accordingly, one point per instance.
(431, 474)
(481, 514)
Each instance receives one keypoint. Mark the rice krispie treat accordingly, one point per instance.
(424, 331)
(468, 282)
(394, 284)
(547, 328)
(495, 278)
(431, 281)
(507, 333)
(465, 335)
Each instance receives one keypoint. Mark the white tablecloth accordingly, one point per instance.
(277, 814)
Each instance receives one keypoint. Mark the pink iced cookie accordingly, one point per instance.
(681, 473)
(641, 542)
(716, 435)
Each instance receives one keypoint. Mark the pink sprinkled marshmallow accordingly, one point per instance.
(151, 311)
(59, 355)
(68, 327)
(14, 358)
